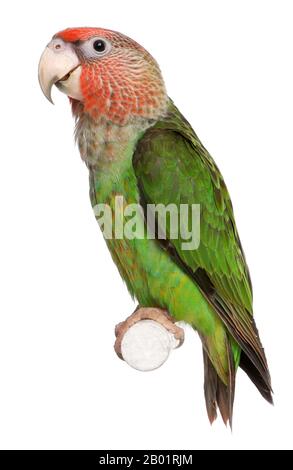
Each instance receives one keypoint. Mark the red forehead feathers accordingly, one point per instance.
(82, 34)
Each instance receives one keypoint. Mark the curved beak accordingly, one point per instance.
(59, 65)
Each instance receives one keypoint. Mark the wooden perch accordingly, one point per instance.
(146, 338)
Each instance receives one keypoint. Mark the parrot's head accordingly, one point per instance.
(104, 73)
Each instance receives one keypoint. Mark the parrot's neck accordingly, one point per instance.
(104, 146)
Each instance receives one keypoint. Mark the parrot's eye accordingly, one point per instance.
(99, 45)
(95, 48)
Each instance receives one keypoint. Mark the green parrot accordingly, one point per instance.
(138, 146)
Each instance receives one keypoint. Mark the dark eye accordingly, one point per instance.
(99, 45)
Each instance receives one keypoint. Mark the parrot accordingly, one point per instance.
(137, 145)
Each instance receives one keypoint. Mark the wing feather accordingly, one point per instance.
(170, 152)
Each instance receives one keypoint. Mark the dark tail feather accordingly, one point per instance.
(210, 387)
(261, 381)
(217, 394)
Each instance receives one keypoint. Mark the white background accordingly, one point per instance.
(228, 66)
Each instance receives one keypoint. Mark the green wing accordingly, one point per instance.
(172, 166)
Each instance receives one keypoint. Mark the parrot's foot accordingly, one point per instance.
(145, 339)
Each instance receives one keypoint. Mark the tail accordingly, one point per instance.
(260, 378)
(219, 395)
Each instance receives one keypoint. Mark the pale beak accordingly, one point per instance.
(60, 66)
